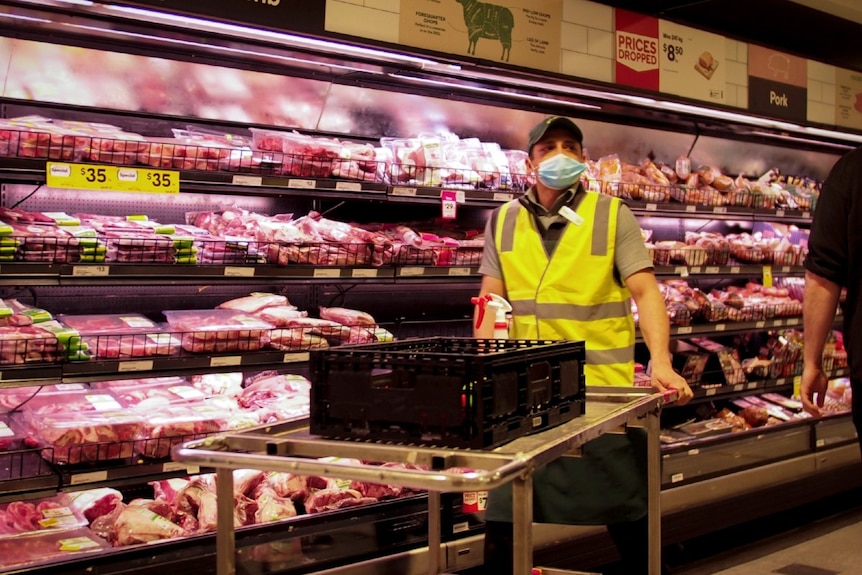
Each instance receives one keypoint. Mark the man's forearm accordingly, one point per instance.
(654, 326)
(818, 309)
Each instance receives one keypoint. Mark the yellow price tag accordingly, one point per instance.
(767, 276)
(112, 178)
(797, 385)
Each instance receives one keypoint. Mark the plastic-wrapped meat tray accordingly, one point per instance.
(218, 330)
(76, 437)
(451, 392)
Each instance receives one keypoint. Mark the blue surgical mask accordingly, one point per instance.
(560, 172)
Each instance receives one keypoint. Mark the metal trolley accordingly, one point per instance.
(609, 409)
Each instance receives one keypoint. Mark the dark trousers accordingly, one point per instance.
(631, 539)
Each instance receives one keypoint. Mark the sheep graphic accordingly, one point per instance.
(490, 21)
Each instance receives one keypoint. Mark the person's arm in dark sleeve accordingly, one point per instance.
(826, 266)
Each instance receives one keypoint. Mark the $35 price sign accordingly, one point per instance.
(112, 178)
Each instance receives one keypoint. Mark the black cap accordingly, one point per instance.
(539, 130)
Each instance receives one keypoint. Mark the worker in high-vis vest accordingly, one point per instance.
(569, 262)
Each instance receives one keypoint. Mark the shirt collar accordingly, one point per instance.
(530, 200)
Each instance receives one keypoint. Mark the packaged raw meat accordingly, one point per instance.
(170, 425)
(93, 503)
(223, 384)
(49, 547)
(80, 401)
(39, 515)
(218, 330)
(254, 302)
(97, 324)
(84, 437)
(153, 393)
(346, 316)
(269, 388)
(137, 524)
(136, 345)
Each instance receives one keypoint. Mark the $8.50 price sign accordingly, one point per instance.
(112, 178)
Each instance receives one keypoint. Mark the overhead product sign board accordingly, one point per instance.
(273, 14)
(777, 84)
(692, 63)
(517, 32)
(848, 98)
(636, 50)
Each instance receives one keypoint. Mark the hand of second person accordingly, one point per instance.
(664, 379)
(813, 381)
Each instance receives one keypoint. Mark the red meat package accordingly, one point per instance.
(218, 330)
(47, 547)
(77, 437)
(167, 426)
(38, 515)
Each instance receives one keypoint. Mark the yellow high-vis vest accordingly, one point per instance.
(573, 295)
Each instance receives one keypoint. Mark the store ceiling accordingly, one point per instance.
(823, 30)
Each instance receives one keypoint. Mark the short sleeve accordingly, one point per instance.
(631, 255)
(490, 265)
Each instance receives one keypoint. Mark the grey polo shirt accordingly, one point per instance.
(630, 256)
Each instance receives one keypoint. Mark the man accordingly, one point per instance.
(834, 261)
(569, 261)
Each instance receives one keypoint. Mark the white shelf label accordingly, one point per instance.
(686, 329)
(409, 192)
(501, 197)
(760, 324)
(301, 184)
(651, 207)
(806, 214)
(411, 271)
(348, 186)
(778, 323)
(696, 270)
(779, 213)
(681, 271)
(720, 327)
(141, 365)
(711, 391)
(752, 385)
(460, 196)
(694, 451)
(820, 442)
(364, 273)
(793, 321)
(327, 273)
(459, 271)
(712, 270)
(295, 357)
(91, 271)
(239, 272)
(735, 270)
(738, 387)
(691, 209)
(172, 466)
(247, 181)
(226, 361)
(719, 210)
(785, 269)
(677, 477)
(92, 477)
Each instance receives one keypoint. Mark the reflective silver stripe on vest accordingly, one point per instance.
(601, 226)
(507, 238)
(567, 311)
(610, 356)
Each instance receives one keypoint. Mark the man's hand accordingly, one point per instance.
(665, 379)
(813, 381)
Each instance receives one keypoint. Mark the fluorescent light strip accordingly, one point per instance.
(27, 18)
(481, 90)
(217, 47)
(288, 39)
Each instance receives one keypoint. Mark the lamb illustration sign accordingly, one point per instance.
(519, 32)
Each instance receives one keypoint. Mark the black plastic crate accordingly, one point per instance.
(452, 392)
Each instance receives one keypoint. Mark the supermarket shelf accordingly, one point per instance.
(775, 384)
(33, 171)
(731, 327)
(742, 270)
(677, 210)
(121, 473)
(34, 374)
(87, 371)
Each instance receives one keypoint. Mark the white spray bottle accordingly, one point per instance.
(498, 307)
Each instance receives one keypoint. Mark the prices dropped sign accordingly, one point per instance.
(636, 50)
